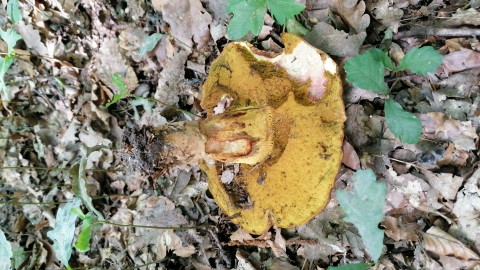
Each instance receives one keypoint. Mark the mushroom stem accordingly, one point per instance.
(238, 136)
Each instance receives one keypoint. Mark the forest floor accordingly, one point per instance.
(57, 136)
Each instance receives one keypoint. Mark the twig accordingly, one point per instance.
(263, 243)
(178, 228)
(436, 31)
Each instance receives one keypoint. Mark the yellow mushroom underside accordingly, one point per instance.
(294, 183)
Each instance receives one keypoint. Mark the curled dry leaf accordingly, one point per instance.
(353, 13)
(441, 243)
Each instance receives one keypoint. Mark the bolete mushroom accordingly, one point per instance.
(281, 117)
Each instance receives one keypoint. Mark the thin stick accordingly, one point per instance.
(435, 31)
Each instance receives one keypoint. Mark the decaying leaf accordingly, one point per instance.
(466, 209)
(438, 126)
(109, 61)
(442, 244)
(465, 17)
(385, 12)
(188, 20)
(353, 13)
(339, 42)
(398, 231)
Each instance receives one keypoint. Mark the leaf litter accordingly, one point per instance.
(62, 79)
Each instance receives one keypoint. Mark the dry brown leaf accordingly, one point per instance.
(466, 208)
(437, 126)
(189, 21)
(386, 13)
(461, 60)
(109, 61)
(465, 17)
(446, 183)
(441, 243)
(350, 157)
(32, 39)
(353, 13)
(335, 42)
(398, 231)
(171, 77)
(282, 264)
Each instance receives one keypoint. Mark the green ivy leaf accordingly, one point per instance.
(149, 43)
(64, 230)
(6, 253)
(13, 11)
(83, 240)
(421, 60)
(284, 9)
(353, 266)
(406, 126)
(247, 16)
(363, 207)
(367, 71)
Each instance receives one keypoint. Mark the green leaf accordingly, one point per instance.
(294, 27)
(79, 184)
(83, 240)
(380, 55)
(5, 64)
(406, 126)
(421, 60)
(247, 16)
(10, 37)
(64, 230)
(367, 70)
(13, 11)
(353, 266)
(6, 253)
(118, 81)
(284, 9)
(149, 43)
(363, 207)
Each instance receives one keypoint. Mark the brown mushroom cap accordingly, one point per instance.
(302, 91)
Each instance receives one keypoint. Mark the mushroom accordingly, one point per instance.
(281, 117)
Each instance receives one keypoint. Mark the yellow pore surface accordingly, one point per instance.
(293, 184)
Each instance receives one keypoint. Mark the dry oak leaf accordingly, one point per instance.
(353, 13)
(338, 42)
(189, 21)
(285, 125)
(441, 243)
(333, 41)
(384, 12)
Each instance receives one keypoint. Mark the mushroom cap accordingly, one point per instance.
(302, 89)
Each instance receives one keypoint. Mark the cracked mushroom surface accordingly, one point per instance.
(282, 119)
